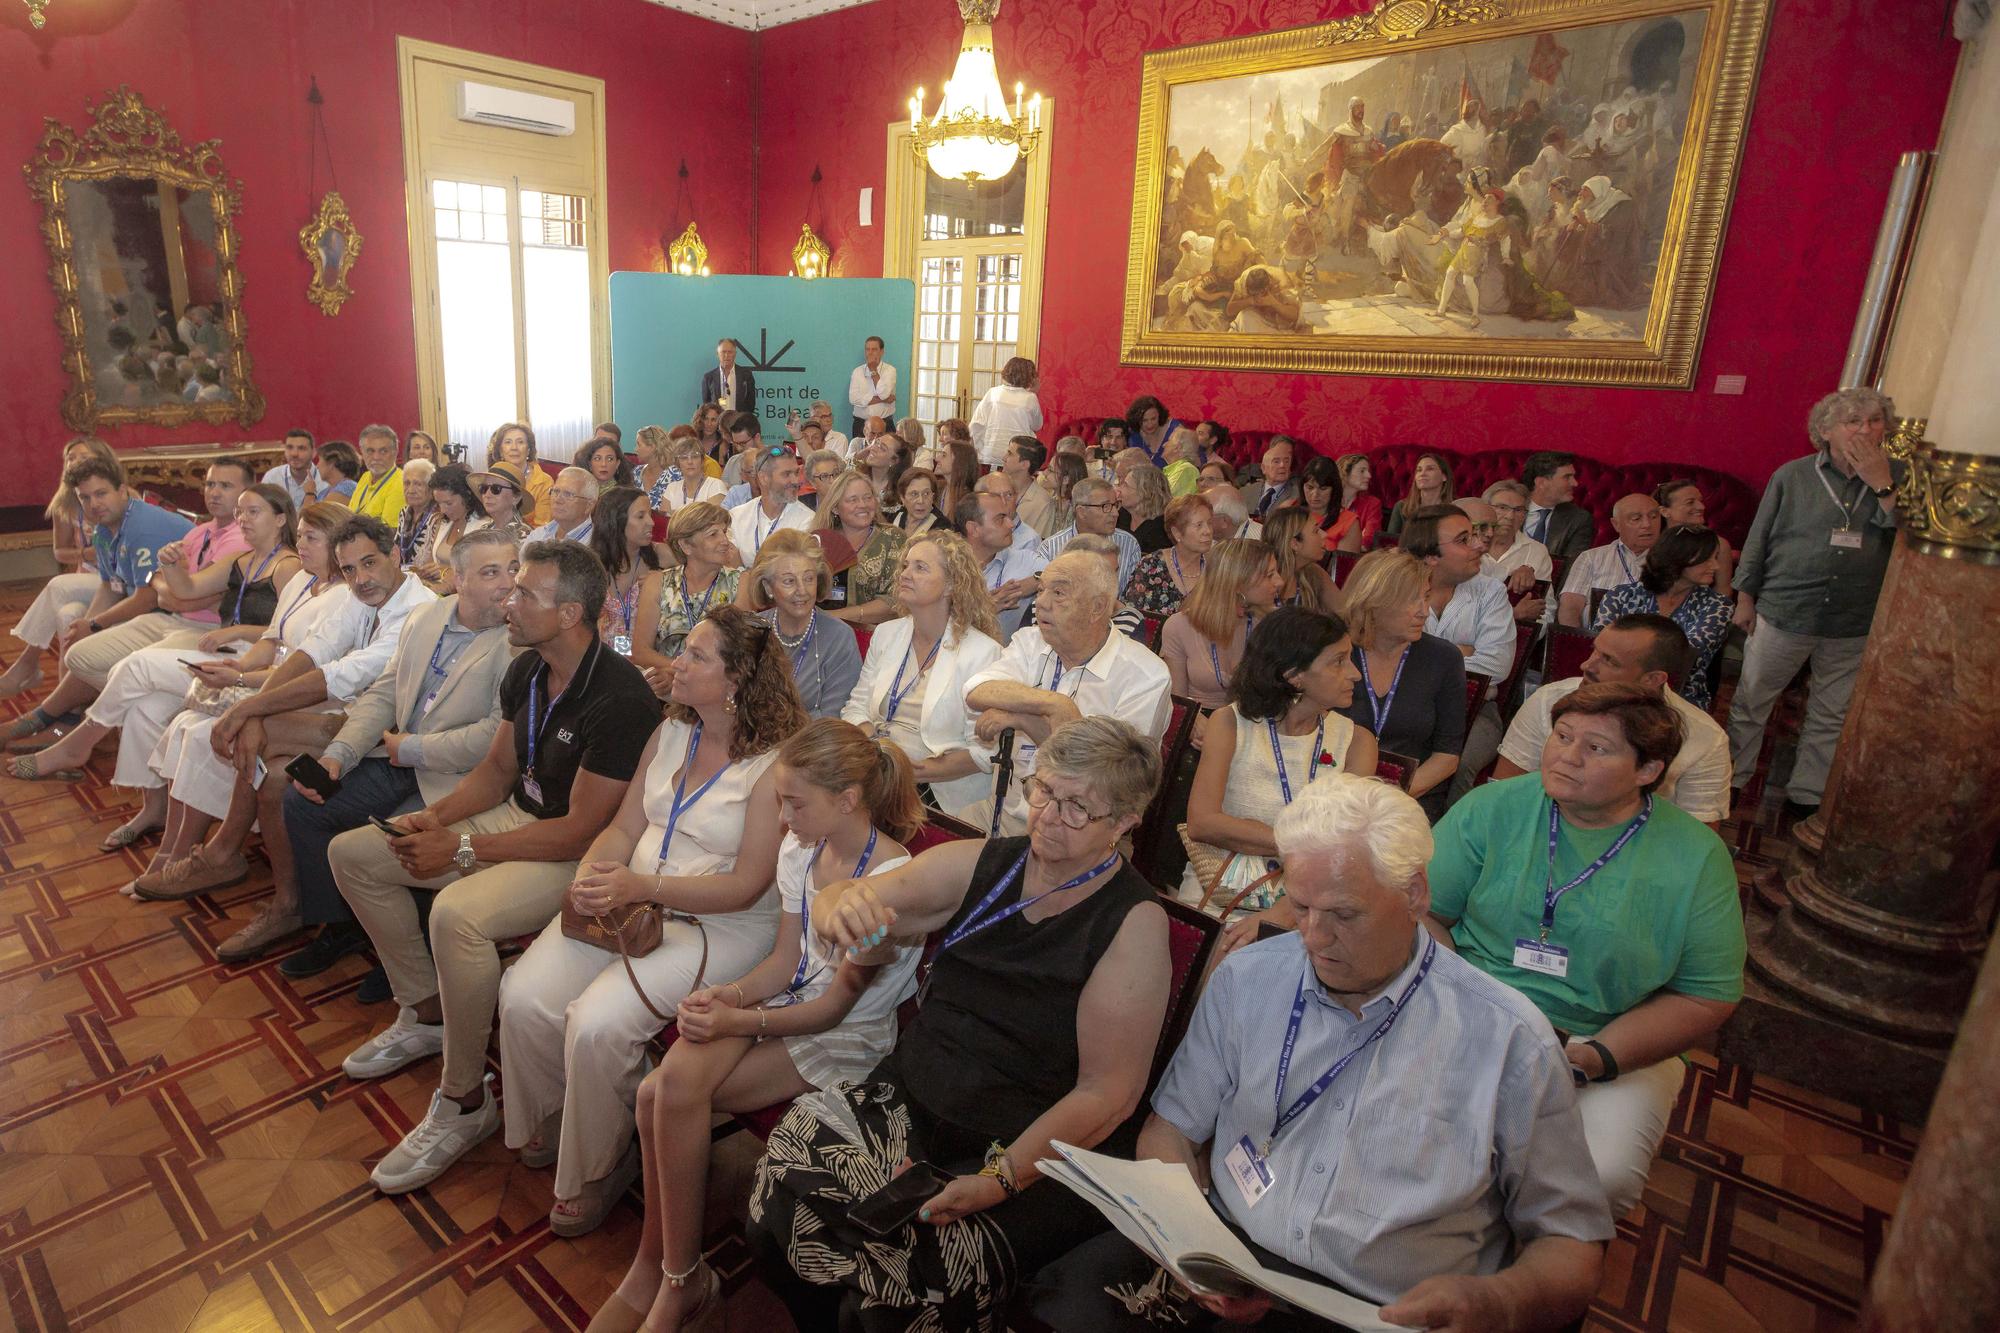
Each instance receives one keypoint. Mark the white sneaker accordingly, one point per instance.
(443, 1136)
(403, 1042)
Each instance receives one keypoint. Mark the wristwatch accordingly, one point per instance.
(95, 628)
(464, 857)
(1884, 492)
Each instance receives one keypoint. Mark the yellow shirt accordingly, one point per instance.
(380, 499)
(534, 507)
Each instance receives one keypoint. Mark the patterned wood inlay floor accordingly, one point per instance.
(179, 1149)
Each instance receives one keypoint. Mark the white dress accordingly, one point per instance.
(1254, 792)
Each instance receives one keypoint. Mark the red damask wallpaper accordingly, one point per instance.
(1846, 86)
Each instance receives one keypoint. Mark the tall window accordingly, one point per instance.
(509, 261)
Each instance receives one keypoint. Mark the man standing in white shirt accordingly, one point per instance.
(1069, 664)
(871, 389)
(1011, 571)
(571, 500)
(1649, 651)
(296, 474)
(1636, 520)
(1470, 611)
(779, 477)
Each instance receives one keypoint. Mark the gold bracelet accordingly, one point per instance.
(763, 1021)
(740, 1003)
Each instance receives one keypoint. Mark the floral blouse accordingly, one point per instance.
(873, 573)
(1703, 616)
(1152, 588)
(680, 613)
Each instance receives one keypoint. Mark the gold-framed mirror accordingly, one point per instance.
(142, 243)
(331, 243)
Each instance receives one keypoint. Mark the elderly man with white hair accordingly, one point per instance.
(571, 500)
(1069, 664)
(1364, 1108)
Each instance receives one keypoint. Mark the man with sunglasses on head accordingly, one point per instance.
(779, 477)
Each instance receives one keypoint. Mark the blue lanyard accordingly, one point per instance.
(236, 616)
(760, 532)
(805, 644)
(897, 690)
(1551, 895)
(1000, 563)
(1618, 549)
(1278, 757)
(376, 488)
(1285, 1115)
(1383, 706)
(1175, 556)
(980, 917)
(689, 612)
(799, 978)
(297, 602)
(538, 721)
(1055, 686)
(629, 600)
(1215, 660)
(683, 802)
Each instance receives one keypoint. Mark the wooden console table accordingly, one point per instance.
(186, 465)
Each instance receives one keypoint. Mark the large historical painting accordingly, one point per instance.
(1525, 191)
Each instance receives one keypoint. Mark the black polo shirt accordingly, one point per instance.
(601, 723)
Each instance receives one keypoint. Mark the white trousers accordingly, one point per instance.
(573, 1032)
(1623, 1122)
(185, 761)
(91, 658)
(142, 696)
(61, 602)
(1771, 657)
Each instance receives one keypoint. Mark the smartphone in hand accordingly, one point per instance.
(307, 772)
(387, 828)
(896, 1203)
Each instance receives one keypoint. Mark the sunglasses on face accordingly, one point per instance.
(495, 488)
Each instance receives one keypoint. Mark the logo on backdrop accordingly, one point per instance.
(764, 359)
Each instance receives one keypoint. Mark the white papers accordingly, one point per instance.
(1159, 1208)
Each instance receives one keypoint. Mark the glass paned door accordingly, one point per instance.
(968, 325)
(940, 329)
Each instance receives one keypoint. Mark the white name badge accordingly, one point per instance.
(1549, 959)
(1249, 1170)
(621, 644)
(1847, 539)
(533, 789)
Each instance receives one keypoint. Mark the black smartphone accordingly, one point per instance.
(309, 774)
(387, 827)
(896, 1203)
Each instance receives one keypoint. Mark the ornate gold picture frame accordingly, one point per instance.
(331, 244)
(142, 243)
(1469, 189)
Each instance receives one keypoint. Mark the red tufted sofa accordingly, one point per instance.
(1731, 503)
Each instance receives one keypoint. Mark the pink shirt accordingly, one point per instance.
(206, 544)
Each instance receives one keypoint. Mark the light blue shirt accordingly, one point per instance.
(736, 494)
(281, 475)
(127, 557)
(1462, 1120)
(1128, 551)
(1480, 614)
(1015, 562)
(551, 531)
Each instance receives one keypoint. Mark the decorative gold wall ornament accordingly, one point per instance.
(687, 255)
(1596, 266)
(810, 254)
(35, 18)
(142, 253)
(972, 136)
(1948, 502)
(331, 244)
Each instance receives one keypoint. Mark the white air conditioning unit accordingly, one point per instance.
(512, 109)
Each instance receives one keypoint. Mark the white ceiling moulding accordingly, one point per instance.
(756, 15)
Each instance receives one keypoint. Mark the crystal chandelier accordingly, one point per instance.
(973, 136)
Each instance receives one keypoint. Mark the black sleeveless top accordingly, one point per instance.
(260, 599)
(994, 1045)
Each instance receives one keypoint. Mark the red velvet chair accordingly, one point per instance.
(1476, 685)
(1191, 937)
(1154, 840)
(1396, 768)
(1568, 649)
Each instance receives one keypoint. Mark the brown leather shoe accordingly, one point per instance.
(192, 875)
(271, 926)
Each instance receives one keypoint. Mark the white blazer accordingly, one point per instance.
(944, 725)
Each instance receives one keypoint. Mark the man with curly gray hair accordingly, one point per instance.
(1807, 581)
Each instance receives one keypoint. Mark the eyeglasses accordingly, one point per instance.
(1095, 504)
(1484, 529)
(1072, 812)
(562, 495)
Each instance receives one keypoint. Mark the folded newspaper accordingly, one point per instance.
(1159, 1208)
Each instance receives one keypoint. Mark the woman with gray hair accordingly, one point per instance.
(1039, 1022)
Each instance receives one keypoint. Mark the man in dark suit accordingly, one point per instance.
(1275, 484)
(729, 384)
(1567, 529)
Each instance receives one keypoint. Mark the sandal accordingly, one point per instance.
(704, 1311)
(128, 833)
(541, 1150)
(28, 769)
(586, 1212)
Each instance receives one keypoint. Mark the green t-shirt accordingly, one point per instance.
(1662, 916)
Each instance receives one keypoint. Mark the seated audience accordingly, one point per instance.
(1412, 694)
(1125, 618)
(1275, 484)
(621, 537)
(339, 469)
(821, 466)
(849, 521)
(513, 442)
(1022, 464)
(459, 511)
(1431, 484)
(917, 502)
(1284, 723)
(697, 836)
(1058, 482)
(379, 492)
(1470, 611)
(604, 459)
(571, 499)
(1615, 913)
(1360, 520)
(1677, 580)
(295, 472)
(1681, 506)
(776, 508)
(1512, 556)
(1212, 438)
(715, 442)
(674, 600)
(1143, 496)
(885, 459)
(1001, 485)
(501, 846)
(1218, 473)
(1007, 409)
(1319, 496)
(809, 1016)
(911, 689)
(501, 492)
(1011, 573)
(1202, 642)
(693, 484)
(1162, 580)
(1563, 527)
(1042, 1011)
(1148, 424)
(419, 446)
(1301, 547)
(1230, 519)
(1461, 1194)
(1650, 651)
(1069, 664)
(1181, 464)
(785, 588)
(959, 467)
(1636, 520)
(407, 740)
(420, 511)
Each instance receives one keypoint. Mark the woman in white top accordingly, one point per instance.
(807, 1017)
(688, 481)
(911, 691)
(1282, 726)
(1009, 408)
(699, 835)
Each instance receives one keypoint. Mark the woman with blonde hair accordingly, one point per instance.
(1143, 495)
(673, 601)
(785, 588)
(849, 511)
(65, 598)
(514, 442)
(911, 690)
(1300, 546)
(1203, 641)
(1412, 693)
(808, 1016)
(688, 480)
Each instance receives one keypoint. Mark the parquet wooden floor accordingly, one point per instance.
(179, 1149)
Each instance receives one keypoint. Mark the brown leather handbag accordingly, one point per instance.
(633, 930)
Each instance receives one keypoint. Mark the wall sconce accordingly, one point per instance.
(810, 254)
(686, 254)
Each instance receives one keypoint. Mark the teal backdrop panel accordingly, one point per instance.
(799, 338)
